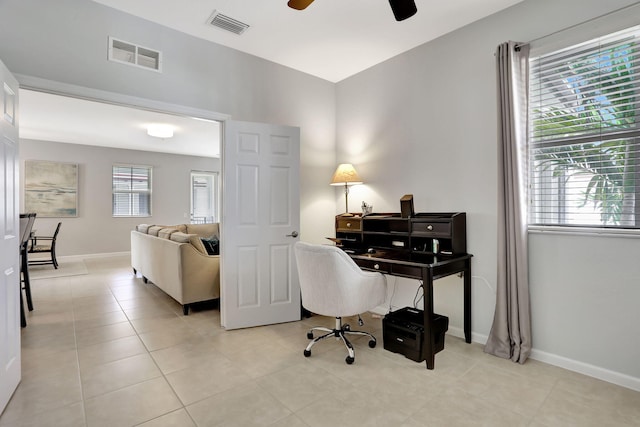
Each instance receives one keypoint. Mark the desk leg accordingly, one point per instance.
(429, 337)
(467, 302)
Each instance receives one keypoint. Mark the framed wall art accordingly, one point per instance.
(51, 188)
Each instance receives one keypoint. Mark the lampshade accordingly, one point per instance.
(345, 175)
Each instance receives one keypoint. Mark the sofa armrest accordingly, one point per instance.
(201, 272)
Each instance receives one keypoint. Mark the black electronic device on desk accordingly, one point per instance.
(403, 332)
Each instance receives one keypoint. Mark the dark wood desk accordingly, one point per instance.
(404, 247)
(425, 268)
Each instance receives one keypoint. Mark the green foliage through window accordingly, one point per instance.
(585, 134)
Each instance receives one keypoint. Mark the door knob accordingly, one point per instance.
(293, 234)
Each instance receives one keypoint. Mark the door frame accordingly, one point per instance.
(64, 89)
(97, 95)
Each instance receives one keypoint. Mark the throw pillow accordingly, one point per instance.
(211, 244)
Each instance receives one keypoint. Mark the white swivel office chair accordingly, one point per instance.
(333, 285)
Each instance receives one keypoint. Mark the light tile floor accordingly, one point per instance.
(105, 349)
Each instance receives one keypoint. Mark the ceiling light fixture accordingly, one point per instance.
(160, 130)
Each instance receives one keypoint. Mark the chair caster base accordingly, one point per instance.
(340, 332)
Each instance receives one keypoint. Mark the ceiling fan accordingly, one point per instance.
(402, 9)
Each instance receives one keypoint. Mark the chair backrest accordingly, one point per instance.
(332, 284)
(55, 234)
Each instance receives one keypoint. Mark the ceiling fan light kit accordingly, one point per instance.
(402, 9)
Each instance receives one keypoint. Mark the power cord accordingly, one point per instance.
(486, 282)
(416, 300)
(393, 293)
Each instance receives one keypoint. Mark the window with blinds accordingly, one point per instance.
(584, 139)
(131, 191)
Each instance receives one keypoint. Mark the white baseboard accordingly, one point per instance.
(459, 333)
(587, 369)
(603, 374)
(89, 256)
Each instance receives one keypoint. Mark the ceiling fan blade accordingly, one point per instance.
(403, 9)
(299, 4)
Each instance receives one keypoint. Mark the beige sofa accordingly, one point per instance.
(176, 261)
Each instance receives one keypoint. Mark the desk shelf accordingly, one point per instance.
(415, 234)
(391, 223)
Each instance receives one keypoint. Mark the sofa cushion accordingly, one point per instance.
(143, 228)
(167, 230)
(211, 244)
(154, 229)
(203, 230)
(166, 233)
(194, 239)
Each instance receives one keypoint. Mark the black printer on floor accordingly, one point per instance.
(403, 332)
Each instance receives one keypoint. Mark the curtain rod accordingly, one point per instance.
(519, 45)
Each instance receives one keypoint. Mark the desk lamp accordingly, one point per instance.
(346, 175)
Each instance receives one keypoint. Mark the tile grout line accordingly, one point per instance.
(75, 340)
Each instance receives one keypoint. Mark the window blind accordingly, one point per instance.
(131, 191)
(584, 134)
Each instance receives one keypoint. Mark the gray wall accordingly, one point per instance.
(422, 123)
(94, 230)
(425, 123)
(66, 41)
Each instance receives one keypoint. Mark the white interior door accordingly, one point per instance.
(260, 223)
(9, 239)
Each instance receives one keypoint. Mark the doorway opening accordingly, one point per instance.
(204, 197)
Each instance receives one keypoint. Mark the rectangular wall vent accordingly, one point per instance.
(227, 23)
(132, 54)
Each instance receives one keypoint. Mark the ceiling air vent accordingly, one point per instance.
(227, 23)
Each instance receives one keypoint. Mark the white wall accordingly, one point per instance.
(65, 41)
(425, 123)
(94, 230)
